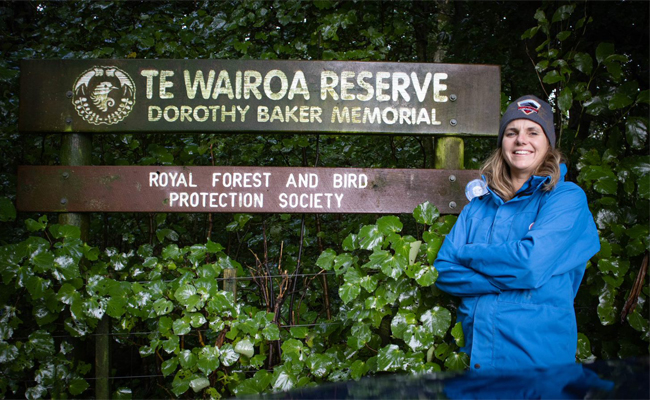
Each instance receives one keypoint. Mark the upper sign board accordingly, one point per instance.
(205, 96)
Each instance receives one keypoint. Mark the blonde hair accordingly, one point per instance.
(497, 172)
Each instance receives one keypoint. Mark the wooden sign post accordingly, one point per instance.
(300, 97)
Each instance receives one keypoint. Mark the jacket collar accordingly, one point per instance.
(533, 184)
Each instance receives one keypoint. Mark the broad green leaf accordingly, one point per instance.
(43, 260)
(401, 322)
(208, 359)
(319, 364)
(350, 243)
(438, 320)
(369, 282)
(326, 259)
(583, 352)
(187, 359)
(187, 296)
(394, 266)
(552, 77)
(171, 345)
(603, 51)
(434, 243)
(442, 351)
(123, 393)
(284, 381)
(7, 210)
(349, 291)
(35, 226)
(271, 332)
(413, 251)
(638, 321)
(614, 266)
(292, 351)
(228, 355)
(636, 132)
(643, 97)
(8, 352)
(418, 338)
(165, 326)
(540, 16)
(245, 347)
(360, 335)
(358, 369)
(426, 276)
(40, 344)
(212, 247)
(563, 13)
(197, 320)
(169, 366)
(565, 99)
(182, 326)
(299, 332)
(564, 35)
(390, 358)
(199, 383)
(343, 262)
(76, 386)
(171, 252)
(166, 233)
(457, 362)
(426, 213)
(389, 224)
(457, 333)
(181, 383)
(541, 66)
(370, 237)
(606, 310)
(255, 385)
(163, 306)
(620, 100)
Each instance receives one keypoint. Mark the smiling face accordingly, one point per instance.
(524, 147)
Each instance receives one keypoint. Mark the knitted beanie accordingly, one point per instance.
(531, 108)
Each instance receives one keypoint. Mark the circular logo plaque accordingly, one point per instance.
(103, 95)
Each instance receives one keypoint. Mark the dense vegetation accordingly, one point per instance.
(323, 297)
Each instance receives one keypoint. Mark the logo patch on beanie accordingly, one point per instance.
(529, 106)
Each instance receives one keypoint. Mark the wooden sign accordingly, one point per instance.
(239, 189)
(258, 96)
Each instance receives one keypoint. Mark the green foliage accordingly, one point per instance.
(389, 317)
(602, 106)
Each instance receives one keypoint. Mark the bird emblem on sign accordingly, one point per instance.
(103, 95)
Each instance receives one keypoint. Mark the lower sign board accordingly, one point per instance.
(231, 189)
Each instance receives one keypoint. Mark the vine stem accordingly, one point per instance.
(298, 265)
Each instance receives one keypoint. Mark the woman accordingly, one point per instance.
(517, 254)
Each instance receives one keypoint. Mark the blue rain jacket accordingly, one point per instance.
(516, 267)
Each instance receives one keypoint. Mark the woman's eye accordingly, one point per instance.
(510, 134)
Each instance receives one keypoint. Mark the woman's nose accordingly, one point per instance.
(521, 139)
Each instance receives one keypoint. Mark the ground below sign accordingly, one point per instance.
(239, 189)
